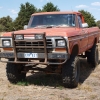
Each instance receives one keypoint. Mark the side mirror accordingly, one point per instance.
(25, 27)
(85, 25)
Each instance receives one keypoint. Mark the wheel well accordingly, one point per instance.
(75, 50)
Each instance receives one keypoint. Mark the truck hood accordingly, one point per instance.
(49, 31)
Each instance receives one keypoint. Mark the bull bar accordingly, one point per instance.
(46, 55)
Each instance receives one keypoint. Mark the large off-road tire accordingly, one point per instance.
(14, 72)
(93, 56)
(71, 72)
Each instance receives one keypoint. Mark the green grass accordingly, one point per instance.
(23, 83)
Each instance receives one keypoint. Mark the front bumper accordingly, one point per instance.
(50, 56)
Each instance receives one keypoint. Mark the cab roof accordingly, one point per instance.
(47, 13)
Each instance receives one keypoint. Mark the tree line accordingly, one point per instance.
(8, 24)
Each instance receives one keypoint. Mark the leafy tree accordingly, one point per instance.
(50, 7)
(6, 24)
(89, 18)
(24, 15)
(98, 23)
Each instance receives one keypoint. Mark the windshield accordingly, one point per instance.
(60, 20)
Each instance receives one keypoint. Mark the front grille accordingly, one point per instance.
(37, 44)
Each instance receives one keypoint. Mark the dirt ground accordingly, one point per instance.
(49, 87)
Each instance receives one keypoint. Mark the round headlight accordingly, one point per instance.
(6, 43)
(61, 43)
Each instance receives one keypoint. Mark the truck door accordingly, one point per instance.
(83, 36)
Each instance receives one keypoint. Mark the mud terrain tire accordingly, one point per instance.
(93, 56)
(13, 73)
(71, 72)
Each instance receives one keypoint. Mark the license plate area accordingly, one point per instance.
(30, 55)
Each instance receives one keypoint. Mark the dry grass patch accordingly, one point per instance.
(67, 99)
(95, 83)
(85, 87)
(96, 75)
(93, 97)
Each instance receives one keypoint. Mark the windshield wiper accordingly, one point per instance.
(50, 26)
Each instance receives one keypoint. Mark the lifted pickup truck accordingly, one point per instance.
(53, 40)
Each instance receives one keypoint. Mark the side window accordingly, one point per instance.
(80, 21)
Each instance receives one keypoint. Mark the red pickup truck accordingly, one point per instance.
(53, 39)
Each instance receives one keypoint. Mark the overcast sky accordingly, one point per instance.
(12, 7)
